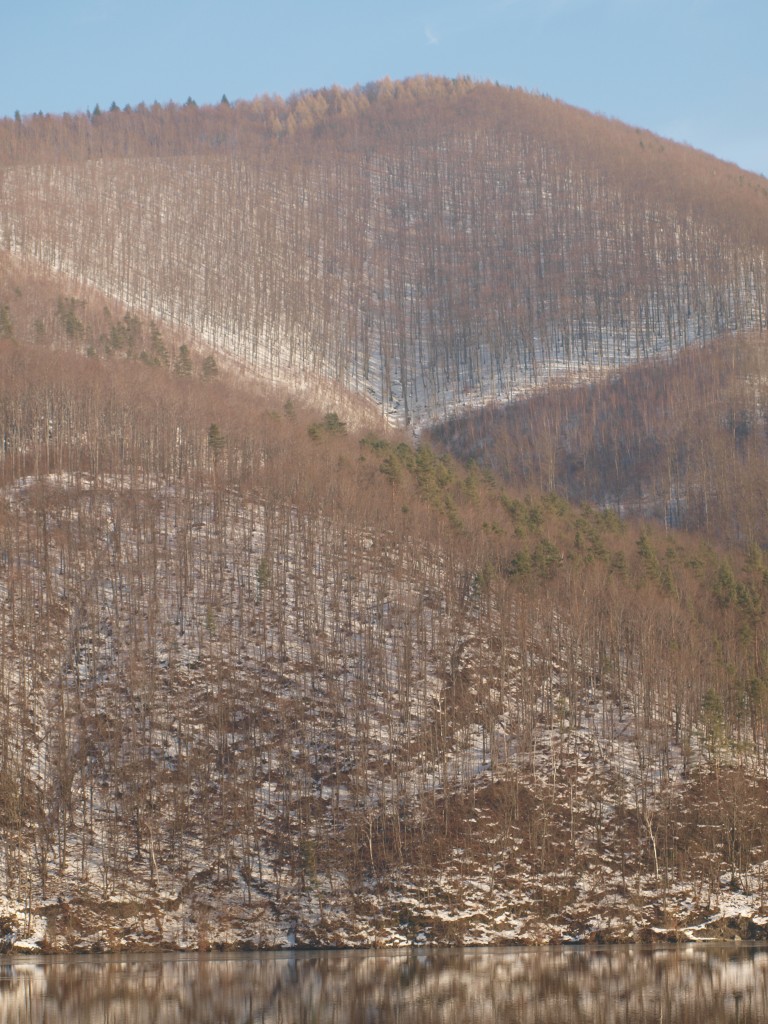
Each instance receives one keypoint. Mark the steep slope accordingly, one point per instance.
(265, 681)
(268, 679)
(429, 244)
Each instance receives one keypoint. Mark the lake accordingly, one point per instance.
(697, 983)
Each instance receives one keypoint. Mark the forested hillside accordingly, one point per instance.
(273, 672)
(681, 440)
(430, 244)
(264, 678)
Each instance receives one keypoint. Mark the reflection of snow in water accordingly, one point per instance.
(712, 985)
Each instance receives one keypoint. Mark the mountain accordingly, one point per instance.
(430, 244)
(275, 673)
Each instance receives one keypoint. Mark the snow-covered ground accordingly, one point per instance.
(233, 701)
(284, 282)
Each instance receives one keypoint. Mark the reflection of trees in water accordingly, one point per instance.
(706, 985)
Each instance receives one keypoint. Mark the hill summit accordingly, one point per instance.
(429, 244)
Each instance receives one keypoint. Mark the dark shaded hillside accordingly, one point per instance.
(430, 244)
(683, 441)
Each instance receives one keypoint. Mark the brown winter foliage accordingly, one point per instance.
(261, 664)
(428, 243)
(684, 441)
(241, 646)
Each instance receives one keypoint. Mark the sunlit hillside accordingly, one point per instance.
(430, 244)
(265, 680)
(275, 672)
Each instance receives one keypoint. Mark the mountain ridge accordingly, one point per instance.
(438, 245)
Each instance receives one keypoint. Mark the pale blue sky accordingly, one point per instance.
(692, 70)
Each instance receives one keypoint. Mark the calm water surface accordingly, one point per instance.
(701, 984)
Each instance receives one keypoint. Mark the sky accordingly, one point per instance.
(691, 70)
